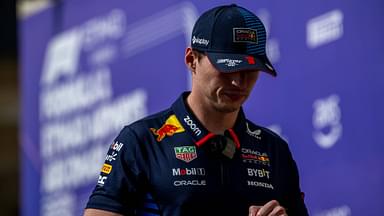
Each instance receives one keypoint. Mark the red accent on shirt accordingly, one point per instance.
(204, 139)
(234, 137)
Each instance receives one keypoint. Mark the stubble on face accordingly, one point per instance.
(223, 96)
(227, 101)
(216, 90)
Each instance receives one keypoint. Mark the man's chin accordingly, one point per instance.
(227, 108)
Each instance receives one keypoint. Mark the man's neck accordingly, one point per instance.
(214, 121)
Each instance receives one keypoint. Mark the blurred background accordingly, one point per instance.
(72, 73)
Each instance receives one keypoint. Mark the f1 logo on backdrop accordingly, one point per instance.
(326, 121)
(62, 55)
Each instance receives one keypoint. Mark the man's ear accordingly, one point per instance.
(190, 59)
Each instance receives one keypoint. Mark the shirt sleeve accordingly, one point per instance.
(292, 198)
(297, 207)
(121, 181)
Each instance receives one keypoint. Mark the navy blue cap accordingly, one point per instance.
(233, 38)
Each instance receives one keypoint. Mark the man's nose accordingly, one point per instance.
(238, 79)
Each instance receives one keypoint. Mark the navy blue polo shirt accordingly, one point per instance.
(164, 165)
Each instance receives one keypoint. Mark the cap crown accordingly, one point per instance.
(229, 29)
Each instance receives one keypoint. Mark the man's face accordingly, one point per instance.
(224, 92)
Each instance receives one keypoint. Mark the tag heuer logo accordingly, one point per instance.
(186, 153)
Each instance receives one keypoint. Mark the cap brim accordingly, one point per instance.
(228, 63)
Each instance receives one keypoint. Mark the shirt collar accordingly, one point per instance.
(194, 127)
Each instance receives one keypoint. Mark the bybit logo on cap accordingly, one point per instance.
(200, 41)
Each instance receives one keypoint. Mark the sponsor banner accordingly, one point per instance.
(87, 73)
(81, 86)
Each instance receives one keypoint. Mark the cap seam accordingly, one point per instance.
(217, 14)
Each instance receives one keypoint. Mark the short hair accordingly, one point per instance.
(200, 54)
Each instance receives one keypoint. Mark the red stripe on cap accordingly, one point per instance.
(234, 137)
(251, 60)
(204, 139)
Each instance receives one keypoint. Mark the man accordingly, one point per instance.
(202, 156)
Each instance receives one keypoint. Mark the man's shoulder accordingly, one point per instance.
(268, 137)
(261, 131)
(141, 127)
(152, 120)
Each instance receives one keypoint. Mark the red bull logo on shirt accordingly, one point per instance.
(171, 126)
(186, 153)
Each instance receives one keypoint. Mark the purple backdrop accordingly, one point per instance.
(90, 67)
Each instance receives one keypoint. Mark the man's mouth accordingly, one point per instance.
(235, 95)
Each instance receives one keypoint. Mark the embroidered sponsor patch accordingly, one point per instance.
(186, 153)
(260, 184)
(111, 157)
(229, 62)
(188, 171)
(171, 126)
(255, 133)
(196, 130)
(116, 146)
(101, 180)
(200, 41)
(106, 168)
(253, 156)
(193, 182)
(260, 173)
(244, 35)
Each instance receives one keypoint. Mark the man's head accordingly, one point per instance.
(226, 55)
(224, 92)
(233, 38)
